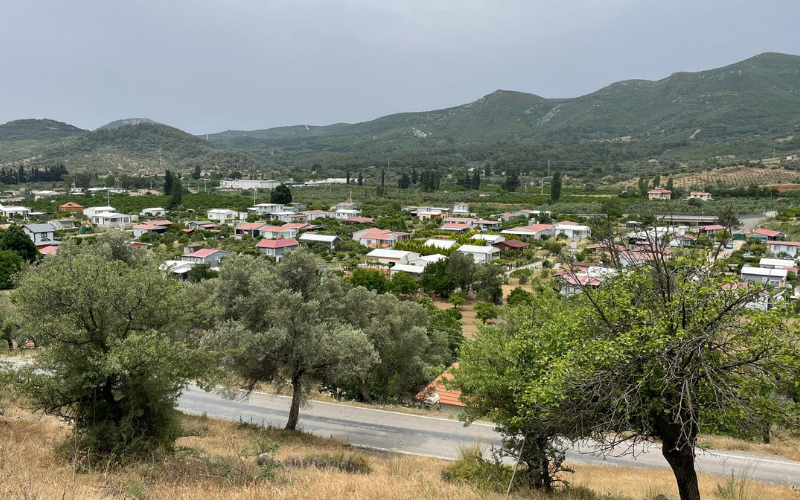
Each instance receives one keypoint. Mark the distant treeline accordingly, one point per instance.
(32, 174)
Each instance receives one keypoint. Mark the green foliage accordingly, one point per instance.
(485, 311)
(519, 297)
(436, 279)
(14, 239)
(488, 283)
(555, 187)
(32, 130)
(117, 360)
(10, 264)
(285, 326)
(176, 195)
(371, 279)
(201, 272)
(472, 468)
(404, 284)
(458, 299)
(281, 195)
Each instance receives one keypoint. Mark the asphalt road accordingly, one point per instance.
(440, 437)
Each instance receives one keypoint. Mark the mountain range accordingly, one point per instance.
(750, 100)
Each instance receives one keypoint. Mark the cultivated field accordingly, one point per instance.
(728, 177)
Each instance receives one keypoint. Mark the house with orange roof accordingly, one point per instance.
(70, 207)
(439, 397)
(379, 238)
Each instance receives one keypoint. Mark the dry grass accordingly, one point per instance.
(728, 177)
(30, 471)
(787, 447)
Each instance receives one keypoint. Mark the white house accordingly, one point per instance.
(572, 230)
(14, 212)
(274, 232)
(386, 256)
(149, 227)
(492, 239)
(111, 219)
(481, 254)
(534, 231)
(153, 212)
(91, 211)
(765, 277)
(440, 244)
(276, 248)
(766, 263)
(345, 213)
(315, 214)
(424, 260)
(249, 229)
(781, 248)
(265, 209)
(287, 216)
(222, 214)
(460, 209)
(38, 195)
(210, 256)
(414, 271)
(321, 239)
(699, 195)
(345, 205)
(41, 234)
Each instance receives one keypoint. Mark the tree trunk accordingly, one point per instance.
(365, 393)
(294, 411)
(680, 456)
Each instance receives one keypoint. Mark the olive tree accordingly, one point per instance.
(118, 351)
(281, 325)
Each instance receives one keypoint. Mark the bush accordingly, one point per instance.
(354, 463)
(472, 468)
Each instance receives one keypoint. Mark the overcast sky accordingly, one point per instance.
(213, 65)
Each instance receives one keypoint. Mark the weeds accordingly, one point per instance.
(354, 463)
(736, 488)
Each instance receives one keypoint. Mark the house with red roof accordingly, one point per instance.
(273, 232)
(767, 235)
(379, 238)
(210, 256)
(252, 229)
(710, 229)
(439, 397)
(781, 248)
(534, 231)
(359, 220)
(276, 248)
(659, 194)
(71, 207)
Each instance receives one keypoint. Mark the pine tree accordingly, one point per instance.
(414, 176)
(347, 181)
(176, 193)
(487, 170)
(383, 178)
(555, 186)
(196, 173)
(168, 181)
(360, 179)
(476, 181)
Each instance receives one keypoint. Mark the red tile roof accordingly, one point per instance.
(289, 242)
(712, 227)
(250, 226)
(784, 243)
(359, 220)
(514, 244)
(767, 232)
(446, 397)
(201, 254)
(48, 250)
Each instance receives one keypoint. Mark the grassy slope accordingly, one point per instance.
(29, 470)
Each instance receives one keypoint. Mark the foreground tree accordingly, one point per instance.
(492, 375)
(283, 327)
(555, 187)
(665, 351)
(118, 353)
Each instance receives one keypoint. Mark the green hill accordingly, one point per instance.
(760, 95)
(128, 121)
(33, 130)
(141, 148)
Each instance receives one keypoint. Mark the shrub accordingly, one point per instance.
(472, 468)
